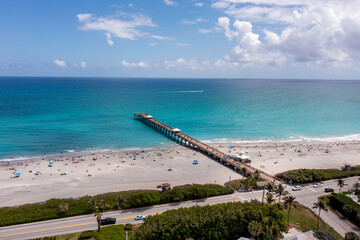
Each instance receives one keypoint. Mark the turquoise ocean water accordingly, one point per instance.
(43, 116)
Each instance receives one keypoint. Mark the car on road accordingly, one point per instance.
(140, 217)
(318, 185)
(296, 188)
(273, 193)
(108, 221)
(328, 189)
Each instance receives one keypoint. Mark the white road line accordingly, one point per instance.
(311, 189)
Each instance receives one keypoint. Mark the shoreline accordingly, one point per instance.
(297, 140)
(132, 170)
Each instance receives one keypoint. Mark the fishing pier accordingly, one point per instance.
(176, 135)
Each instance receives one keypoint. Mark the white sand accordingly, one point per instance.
(109, 174)
(280, 157)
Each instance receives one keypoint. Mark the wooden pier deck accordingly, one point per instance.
(177, 136)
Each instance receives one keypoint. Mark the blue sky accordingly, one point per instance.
(188, 38)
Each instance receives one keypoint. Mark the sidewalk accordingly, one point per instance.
(336, 221)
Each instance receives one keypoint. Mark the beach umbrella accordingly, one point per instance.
(51, 162)
(12, 167)
(17, 174)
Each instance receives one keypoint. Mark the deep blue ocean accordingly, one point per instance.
(43, 115)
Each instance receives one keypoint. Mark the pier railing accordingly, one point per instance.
(184, 139)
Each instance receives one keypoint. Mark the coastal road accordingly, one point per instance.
(307, 196)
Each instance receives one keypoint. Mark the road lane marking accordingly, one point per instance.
(73, 225)
(312, 189)
(47, 229)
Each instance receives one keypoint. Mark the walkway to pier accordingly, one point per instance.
(177, 136)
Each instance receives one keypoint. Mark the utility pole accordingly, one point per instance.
(263, 194)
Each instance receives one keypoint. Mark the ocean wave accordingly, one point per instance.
(298, 139)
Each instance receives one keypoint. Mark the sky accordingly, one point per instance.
(301, 39)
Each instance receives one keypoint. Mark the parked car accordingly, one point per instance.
(328, 190)
(318, 185)
(296, 188)
(108, 221)
(140, 217)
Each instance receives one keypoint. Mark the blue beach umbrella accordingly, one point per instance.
(51, 163)
(17, 174)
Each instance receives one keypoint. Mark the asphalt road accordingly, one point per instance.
(307, 196)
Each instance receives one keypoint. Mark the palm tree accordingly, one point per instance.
(255, 228)
(93, 204)
(269, 187)
(103, 204)
(63, 207)
(269, 199)
(120, 201)
(341, 183)
(280, 189)
(289, 200)
(356, 186)
(98, 216)
(321, 205)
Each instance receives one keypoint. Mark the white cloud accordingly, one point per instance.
(204, 31)
(140, 64)
(224, 65)
(184, 64)
(198, 4)
(323, 32)
(121, 28)
(152, 44)
(60, 63)
(186, 22)
(83, 64)
(170, 2)
(108, 39)
(82, 17)
(182, 44)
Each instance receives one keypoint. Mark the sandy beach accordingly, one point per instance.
(117, 171)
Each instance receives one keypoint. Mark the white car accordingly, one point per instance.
(140, 217)
(296, 188)
(318, 185)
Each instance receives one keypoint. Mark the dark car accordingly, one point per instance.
(107, 221)
(328, 189)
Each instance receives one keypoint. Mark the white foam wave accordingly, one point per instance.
(298, 139)
(190, 91)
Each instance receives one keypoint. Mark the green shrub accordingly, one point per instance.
(246, 183)
(221, 221)
(115, 232)
(87, 235)
(130, 199)
(315, 175)
(128, 227)
(351, 236)
(338, 201)
(324, 235)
